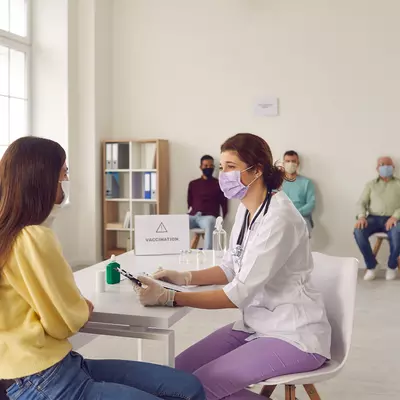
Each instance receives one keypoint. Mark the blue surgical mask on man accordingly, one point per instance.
(386, 171)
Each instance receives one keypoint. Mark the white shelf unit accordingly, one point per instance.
(124, 189)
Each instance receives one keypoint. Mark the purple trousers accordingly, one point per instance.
(226, 364)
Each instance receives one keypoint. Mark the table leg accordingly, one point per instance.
(140, 333)
(140, 349)
(79, 340)
(170, 349)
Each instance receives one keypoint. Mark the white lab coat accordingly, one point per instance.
(272, 286)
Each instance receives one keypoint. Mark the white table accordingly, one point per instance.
(117, 311)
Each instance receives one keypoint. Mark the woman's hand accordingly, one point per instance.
(175, 277)
(154, 294)
(91, 307)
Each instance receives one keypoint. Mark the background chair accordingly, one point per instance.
(336, 279)
(198, 234)
(380, 237)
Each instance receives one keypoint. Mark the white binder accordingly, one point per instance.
(108, 156)
(115, 156)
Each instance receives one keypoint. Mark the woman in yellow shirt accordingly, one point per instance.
(40, 304)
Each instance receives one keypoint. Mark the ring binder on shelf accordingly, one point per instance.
(147, 185)
(112, 185)
(153, 185)
(108, 156)
(120, 156)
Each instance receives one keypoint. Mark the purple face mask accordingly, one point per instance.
(232, 186)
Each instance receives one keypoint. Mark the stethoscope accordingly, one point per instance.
(238, 251)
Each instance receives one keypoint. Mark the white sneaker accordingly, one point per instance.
(370, 274)
(391, 274)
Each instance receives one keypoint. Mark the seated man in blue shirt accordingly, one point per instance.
(298, 188)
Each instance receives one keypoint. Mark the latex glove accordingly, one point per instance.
(153, 294)
(175, 277)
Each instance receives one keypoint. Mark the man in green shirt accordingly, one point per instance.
(379, 211)
(298, 188)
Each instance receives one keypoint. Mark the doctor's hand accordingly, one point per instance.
(175, 277)
(153, 294)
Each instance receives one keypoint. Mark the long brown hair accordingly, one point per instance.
(255, 152)
(29, 175)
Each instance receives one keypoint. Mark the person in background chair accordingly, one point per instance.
(298, 188)
(379, 211)
(205, 200)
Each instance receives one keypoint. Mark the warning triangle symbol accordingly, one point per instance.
(161, 228)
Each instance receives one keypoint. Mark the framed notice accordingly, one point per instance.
(161, 234)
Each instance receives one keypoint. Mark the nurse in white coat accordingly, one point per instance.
(265, 273)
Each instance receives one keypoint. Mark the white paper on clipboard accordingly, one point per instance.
(178, 288)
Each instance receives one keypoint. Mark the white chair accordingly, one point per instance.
(336, 279)
(198, 233)
(380, 237)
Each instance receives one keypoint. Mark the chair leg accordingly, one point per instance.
(377, 246)
(266, 391)
(312, 392)
(195, 241)
(290, 392)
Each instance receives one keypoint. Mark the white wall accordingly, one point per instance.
(190, 71)
(50, 95)
(72, 105)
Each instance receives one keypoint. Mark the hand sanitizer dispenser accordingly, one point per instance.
(219, 241)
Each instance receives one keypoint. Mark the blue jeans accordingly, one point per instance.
(75, 378)
(310, 224)
(377, 225)
(206, 222)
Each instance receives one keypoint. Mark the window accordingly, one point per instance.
(14, 71)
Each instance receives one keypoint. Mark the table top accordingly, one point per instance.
(119, 303)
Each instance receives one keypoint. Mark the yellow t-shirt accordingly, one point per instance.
(40, 305)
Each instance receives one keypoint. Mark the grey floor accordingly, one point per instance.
(372, 371)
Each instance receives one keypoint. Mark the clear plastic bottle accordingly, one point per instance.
(219, 241)
(201, 257)
(183, 257)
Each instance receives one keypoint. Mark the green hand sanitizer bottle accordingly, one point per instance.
(112, 276)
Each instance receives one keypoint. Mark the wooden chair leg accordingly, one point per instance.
(195, 241)
(377, 246)
(312, 392)
(290, 392)
(266, 391)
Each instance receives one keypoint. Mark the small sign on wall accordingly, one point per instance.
(267, 107)
(161, 234)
